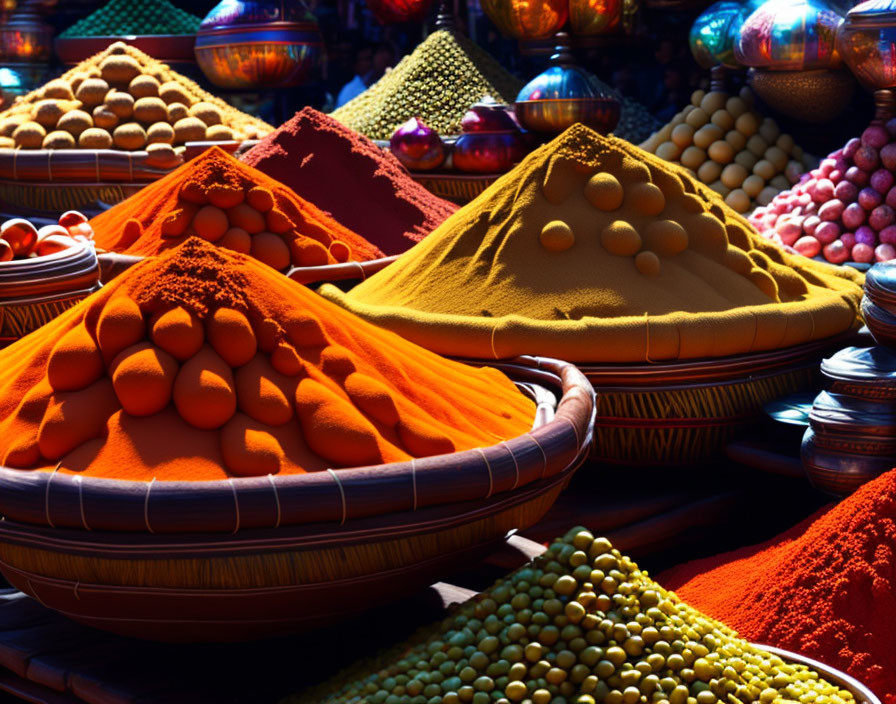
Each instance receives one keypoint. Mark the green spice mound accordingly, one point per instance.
(138, 17)
(438, 82)
(581, 624)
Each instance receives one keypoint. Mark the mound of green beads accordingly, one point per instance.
(581, 624)
(438, 82)
(135, 17)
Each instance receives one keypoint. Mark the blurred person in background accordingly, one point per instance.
(371, 63)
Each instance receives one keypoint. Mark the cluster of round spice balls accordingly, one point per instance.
(122, 99)
(727, 145)
(606, 194)
(844, 210)
(245, 220)
(219, 372)
(580, 624)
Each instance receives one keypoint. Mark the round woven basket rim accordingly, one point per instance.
(228, 505)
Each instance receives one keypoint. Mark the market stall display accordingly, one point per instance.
(844, 210)
(437, 82)
(234, 206)
(229, 401)
(346, 175)
(729, 146)
(822, 589)
(43, 272)
(595, 251)
(105, 128)
(636, 123)
(579, 623)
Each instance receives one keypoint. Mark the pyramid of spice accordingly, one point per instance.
(345, 174)
(135, 17)
(826, 588)
(438, 82)
(226, 202)
(579, 624)
(594, 250)
(202, 364)
(122, 99)
(732, 148)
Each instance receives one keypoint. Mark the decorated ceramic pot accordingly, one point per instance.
(866, 40)
(564, 95)
(395, 11)
(244, 44)
(587, 17)
(25, 37)
(790, 35)
(491, 141)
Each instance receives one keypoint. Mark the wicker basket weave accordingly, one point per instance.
(227, 560)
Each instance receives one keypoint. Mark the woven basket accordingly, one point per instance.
(113, 264)
(686, 412)
(229, 560)
(458, 188)
(34, 291)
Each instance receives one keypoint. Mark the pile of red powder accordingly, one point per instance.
(825, 589)
(342, 172)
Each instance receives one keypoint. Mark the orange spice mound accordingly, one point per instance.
(203, 364)
(234, 206)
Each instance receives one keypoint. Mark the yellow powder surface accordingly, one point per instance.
(594, 250)
(201, 365)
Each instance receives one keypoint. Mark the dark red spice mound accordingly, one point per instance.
(826, 588)
(347, 175)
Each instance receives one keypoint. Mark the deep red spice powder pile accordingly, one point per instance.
(340, 171)
(826, 588)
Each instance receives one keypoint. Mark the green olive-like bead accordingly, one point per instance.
(565, 585)
(555, 675)
(515, 691)
(605, 669)
(517, 671)
(616, 655)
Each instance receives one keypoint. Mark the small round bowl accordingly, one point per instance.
(253, 557)
(865, 41)
(827, 91)
(840, 464)
(881, 323)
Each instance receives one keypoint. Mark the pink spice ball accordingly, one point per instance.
(884, 252)
(846, 191)
(862, 253)
(851, 147)
(882, 216)
(888, 156)
(823, 191)
(887, 235)
(853, 216)
(855, 175)
(865, 235)
(827, 232)
(882, 180)
(891, 197)
(869, 199)
(831, 210)
(875, 136)
(807, 246)
(866, 158)
(810, 223)
(848, 239)
(835, 252)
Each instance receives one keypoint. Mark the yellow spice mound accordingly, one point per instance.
(594, 250)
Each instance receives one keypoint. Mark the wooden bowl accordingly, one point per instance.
(251, 557)
(686, 412)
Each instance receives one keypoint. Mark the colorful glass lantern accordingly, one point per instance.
(527, 19)
(25, 37)
(867, 43)
(244, 44)
(790, 35)
(566, 94)
(714, 33)
(397, 11)
(588, 17)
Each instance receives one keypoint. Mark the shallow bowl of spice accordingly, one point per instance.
(206, 450)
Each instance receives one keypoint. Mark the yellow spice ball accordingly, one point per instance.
(757, 145)
(785, 142)
(58, 139)
(697, 97)
(720, 188)
(120, 103)
(75, 122)
(129, 136)
(769, 130)
(722, 118)
(95, 138)
(683, 136)
(777, 156)
(104, 118)
(668, 151)
(733, 175)
(697, 118)
(709, 172)
(177, 111)
(747, 124)
(706, 135)
(764, 169)
(714, 101)
(160, 133)
(736, 140)
(693, 157)
(746, 159)
(721, 151)
(753, 185)
(143, 86)
(736, 106)
(29, 135)
(780, 182)
(738, 200)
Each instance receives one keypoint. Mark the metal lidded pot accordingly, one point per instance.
(865, 41)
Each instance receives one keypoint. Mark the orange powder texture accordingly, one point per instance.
(826, 588)
(202, 364)
(234, 206)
